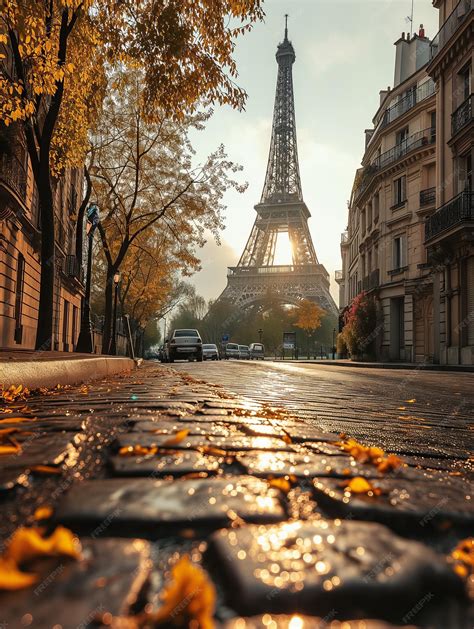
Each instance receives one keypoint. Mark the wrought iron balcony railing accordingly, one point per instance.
(371, 281)
(415, 96)
(415, 141)
(460, 13)
(456, 211)
(462, 116)
(13, 174)
(412, 142)
(427, 197)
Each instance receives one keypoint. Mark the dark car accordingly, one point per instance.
(210, 352)
(185, 344)
(244, 352)
(257, 351)
(231, 350)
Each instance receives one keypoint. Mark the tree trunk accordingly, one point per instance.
(108, 314)
(80, 218)
(44, 332)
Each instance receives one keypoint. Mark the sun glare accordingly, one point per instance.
(283, 252)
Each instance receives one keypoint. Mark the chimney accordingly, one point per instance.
(408, 36)
(421, 32)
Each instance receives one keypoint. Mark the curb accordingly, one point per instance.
(355, 365)
(49, 373)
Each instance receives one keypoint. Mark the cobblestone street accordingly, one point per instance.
(269, 503)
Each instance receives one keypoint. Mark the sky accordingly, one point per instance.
(344, 57)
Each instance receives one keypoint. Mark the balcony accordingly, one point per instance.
(457, 211)
(462, 116)
(458, 16)
(412, 142)
(415, 96)
(371, 281)
(13, 175)
(72, 268)
(427, 197)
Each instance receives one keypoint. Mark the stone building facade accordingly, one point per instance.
(393, 192)
(20, 238)
(449, 233)
(410, 230)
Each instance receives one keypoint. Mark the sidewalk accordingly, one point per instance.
(345, 362)
(197, 507)
(47, 369)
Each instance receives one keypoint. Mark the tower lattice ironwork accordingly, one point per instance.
(281, 209)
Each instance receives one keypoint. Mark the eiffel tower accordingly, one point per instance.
(281, 209)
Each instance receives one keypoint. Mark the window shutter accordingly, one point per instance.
(403, 195)
(403, 251)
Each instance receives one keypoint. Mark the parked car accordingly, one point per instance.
(210, 352)
(244, 352)
(186, 344)
(257, 351)
(231, 350)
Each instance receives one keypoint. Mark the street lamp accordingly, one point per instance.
(260, 334)
(113, 340)
(84, 342)
(334, 344)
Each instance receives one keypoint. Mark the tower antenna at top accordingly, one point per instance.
(286, 25)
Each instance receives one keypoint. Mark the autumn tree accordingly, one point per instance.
(52, 79)
(308, 316)
(144, 179)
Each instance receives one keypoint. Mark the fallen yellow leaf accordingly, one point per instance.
(188, 599)
(282, 484)
(177, 438)
(28, 543)
(410, 401)
(12, 578)
(463, 558)
(10, 449)
(43, 513)
(360, 485)
(45, 469)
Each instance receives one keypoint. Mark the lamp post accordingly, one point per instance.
(334, 344)
(113, 340)
(260, 334)
(84, 342)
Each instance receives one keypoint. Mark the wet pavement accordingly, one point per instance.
(293, 524)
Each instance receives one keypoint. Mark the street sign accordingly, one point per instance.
(289, 340)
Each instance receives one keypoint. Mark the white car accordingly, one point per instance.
(210, 352)
(186, 344)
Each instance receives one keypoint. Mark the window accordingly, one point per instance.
(399, 253)
(401, 136)
(376, 207)
(432, 126)
(362, 215)
(19, 287)
(399, 191)
(369, 215)
(464, 83)
(464, 163)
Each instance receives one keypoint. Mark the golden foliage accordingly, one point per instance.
(462, 558)
(308, 315)
(188, 599)
(27, 544)
(14, 393)
(360, 485)
(371, 455)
